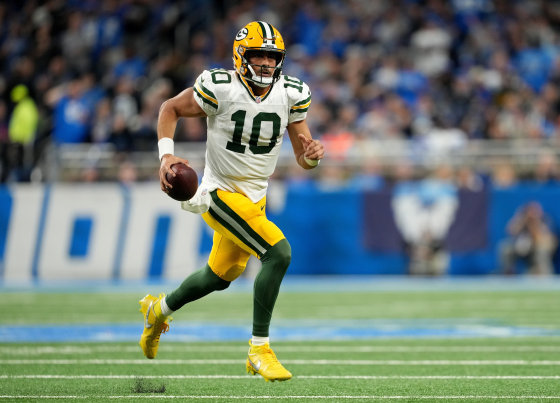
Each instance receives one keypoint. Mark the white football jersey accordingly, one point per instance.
(245, 131)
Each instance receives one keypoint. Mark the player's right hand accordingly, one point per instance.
(312, 148)
(165, 167)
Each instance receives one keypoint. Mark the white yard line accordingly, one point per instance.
(299, 397)
(42, 397)
(293, 362)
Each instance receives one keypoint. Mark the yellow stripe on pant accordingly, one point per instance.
(241, 229)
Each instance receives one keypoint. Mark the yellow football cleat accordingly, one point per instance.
(154, 324)
(263, 361)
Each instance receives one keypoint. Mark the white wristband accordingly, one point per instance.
(311, 163)
(165, 146)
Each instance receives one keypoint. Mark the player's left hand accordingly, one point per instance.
(313, 149)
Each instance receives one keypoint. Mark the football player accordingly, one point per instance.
(248, 110)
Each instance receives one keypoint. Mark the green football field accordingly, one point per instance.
(402, 343)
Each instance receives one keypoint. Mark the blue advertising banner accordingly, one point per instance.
(102, 232)
(468, 231)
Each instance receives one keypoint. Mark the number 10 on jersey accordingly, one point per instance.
(238, 118)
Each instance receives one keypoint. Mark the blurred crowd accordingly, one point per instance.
(436, 72)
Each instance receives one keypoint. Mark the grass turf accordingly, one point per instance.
(404, 369)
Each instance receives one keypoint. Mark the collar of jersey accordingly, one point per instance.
(250, 90)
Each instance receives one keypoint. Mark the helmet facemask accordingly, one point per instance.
(248, 69)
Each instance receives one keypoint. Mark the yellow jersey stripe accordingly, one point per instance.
(298, 107)
(199, 90)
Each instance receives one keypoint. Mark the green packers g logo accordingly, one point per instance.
(242, 34)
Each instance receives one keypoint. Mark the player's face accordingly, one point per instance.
(263, 63)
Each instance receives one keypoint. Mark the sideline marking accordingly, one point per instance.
(180, 347)
(293, 362)
(446, 377)
(298, 330)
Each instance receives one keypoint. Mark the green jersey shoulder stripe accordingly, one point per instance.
(205, 99)
(299, 110)
(305, 101)
(206, 90)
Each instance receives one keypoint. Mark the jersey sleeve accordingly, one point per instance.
(205, 93)
(299, 96)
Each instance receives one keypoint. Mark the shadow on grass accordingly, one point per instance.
(142, 385)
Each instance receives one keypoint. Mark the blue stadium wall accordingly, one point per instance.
(110, 231)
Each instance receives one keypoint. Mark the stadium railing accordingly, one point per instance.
(481, 155)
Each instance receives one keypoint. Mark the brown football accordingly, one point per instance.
(185, 182)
